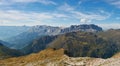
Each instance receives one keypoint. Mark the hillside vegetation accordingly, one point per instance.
(6, 52)
(76, 44)
(112, 35)
(38, 44)
(85, 44)
(38, 59)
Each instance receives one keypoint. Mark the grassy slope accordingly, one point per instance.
(85, 44)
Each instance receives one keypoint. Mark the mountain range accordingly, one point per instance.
(21, 40)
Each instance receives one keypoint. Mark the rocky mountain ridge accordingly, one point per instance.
(84, 28)
(22, 40)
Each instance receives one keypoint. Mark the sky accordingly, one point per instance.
(105, 13)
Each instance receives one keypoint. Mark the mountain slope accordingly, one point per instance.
(5, 43)
(117, 55)
(51, 57)
(76, 44)
(38, 44)
(28, 60)
(112, 34)
(82, 44)
(6, 52)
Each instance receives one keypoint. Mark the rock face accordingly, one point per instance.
(51, 57)
(85, 28)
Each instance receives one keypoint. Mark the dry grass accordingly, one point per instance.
(36, 57)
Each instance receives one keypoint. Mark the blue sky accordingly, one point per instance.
(105, 13)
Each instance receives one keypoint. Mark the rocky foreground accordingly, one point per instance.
(50, 57)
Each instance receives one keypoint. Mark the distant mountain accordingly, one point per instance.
(9, 31)
(27, 37)
(84, 27)
(85, 44)
(6, 52)
(45, 30)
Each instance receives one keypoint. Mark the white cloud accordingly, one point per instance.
(60, 15)
(47, 2)
(12, 17)
(111, 25)
(65, 7)
(84, 17)
(114, 2)
(23, 0)
(9, 2)
(87, 18)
